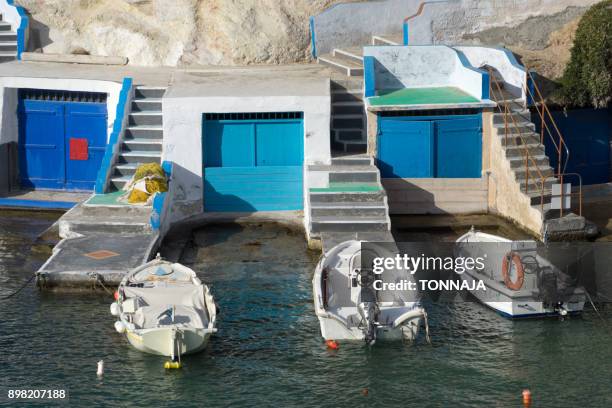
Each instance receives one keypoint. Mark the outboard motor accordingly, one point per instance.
(369, 318)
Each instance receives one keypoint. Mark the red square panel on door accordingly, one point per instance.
(79, 149)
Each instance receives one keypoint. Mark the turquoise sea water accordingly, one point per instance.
(268, 351)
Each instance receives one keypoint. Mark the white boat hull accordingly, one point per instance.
(160, 341)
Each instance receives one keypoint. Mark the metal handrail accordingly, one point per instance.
(561, 145)
(526, 154)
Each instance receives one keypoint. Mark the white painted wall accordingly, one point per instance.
(183, 117)
(397, 67)
(9, 120)
(513, 74)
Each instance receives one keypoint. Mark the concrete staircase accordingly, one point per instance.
(348, 110)
(143, 138)
(354, 201)
(521, 136)
(8, 41)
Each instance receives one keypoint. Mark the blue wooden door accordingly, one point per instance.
(430, 147)
(253, 164)
(458, 148)
(41, 144)
(46, 129)
(84, 121)
(405, 149)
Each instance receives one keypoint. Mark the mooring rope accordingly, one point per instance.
(20, 289)
(96, 278)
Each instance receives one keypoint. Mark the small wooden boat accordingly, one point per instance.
(350, 305)
(164, 308)
(519, 282)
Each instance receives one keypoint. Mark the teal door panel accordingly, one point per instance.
(404, 149)
(430, 147)
(458, 148)
(253, 164)
(279, 143)
(229, 144)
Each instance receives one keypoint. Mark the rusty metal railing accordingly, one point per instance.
(545, 130)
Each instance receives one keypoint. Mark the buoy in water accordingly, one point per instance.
(120, 327)
(526, 398)
(332, 344)
(116, 295)
(169, 365)
(100, 371)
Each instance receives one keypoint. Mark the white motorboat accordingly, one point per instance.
(351, 306)
(164, 308)
(519, 282)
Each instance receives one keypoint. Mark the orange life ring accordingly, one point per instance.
(518, 264)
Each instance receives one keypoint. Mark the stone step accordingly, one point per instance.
(8, 46)
(344, 83)
(340, 209)
(540, 160)
(4, 26)
(139, 157)
(351, 147)
(353, 197)
(521, 173)
(521, 115)
(145, 92)
(348, 173)
(148, 132)
(8, 56)
(118, 182)
(340, 64)
(355, 95)
(147, 105)
(146, 119)
(514, 127)
(352, 160)
(7, 36)
(127, 169)
(348, 108)
(397, 39)
(349, 224)
(519, 151)
(348, 122)
(534, 186)
(350, 135)
(142, 145)
(352, 54)
(95, 227)
(520, 139)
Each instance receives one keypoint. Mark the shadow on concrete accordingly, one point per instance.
(39, 35)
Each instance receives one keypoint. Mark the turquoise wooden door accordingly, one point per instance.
(253, 162)
(430, 146)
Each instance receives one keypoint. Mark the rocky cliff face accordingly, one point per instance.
(176, 32)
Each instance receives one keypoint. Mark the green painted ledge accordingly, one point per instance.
(422, 96)
(106, 199)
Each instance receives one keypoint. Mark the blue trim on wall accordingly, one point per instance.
(485, 85)
(531, 86)
(109, 153)
(41, 204)
(21, 30)
(405, 32)
(160, 198)
(368, 76)
(313, 38)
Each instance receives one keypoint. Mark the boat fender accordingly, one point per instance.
(520, 271)
(168, 365)
(120, 327)
(116, 295)
(114, 309)
(332, 344)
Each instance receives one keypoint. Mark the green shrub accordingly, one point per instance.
(587, 80)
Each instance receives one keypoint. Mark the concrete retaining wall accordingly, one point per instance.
(436, 196)
(397, 67)
(353, 24)
(504, 193)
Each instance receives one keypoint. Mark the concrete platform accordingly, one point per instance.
(85, 261)
(42, 199)
(331, 239)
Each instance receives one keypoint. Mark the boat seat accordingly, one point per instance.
(148, 317)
